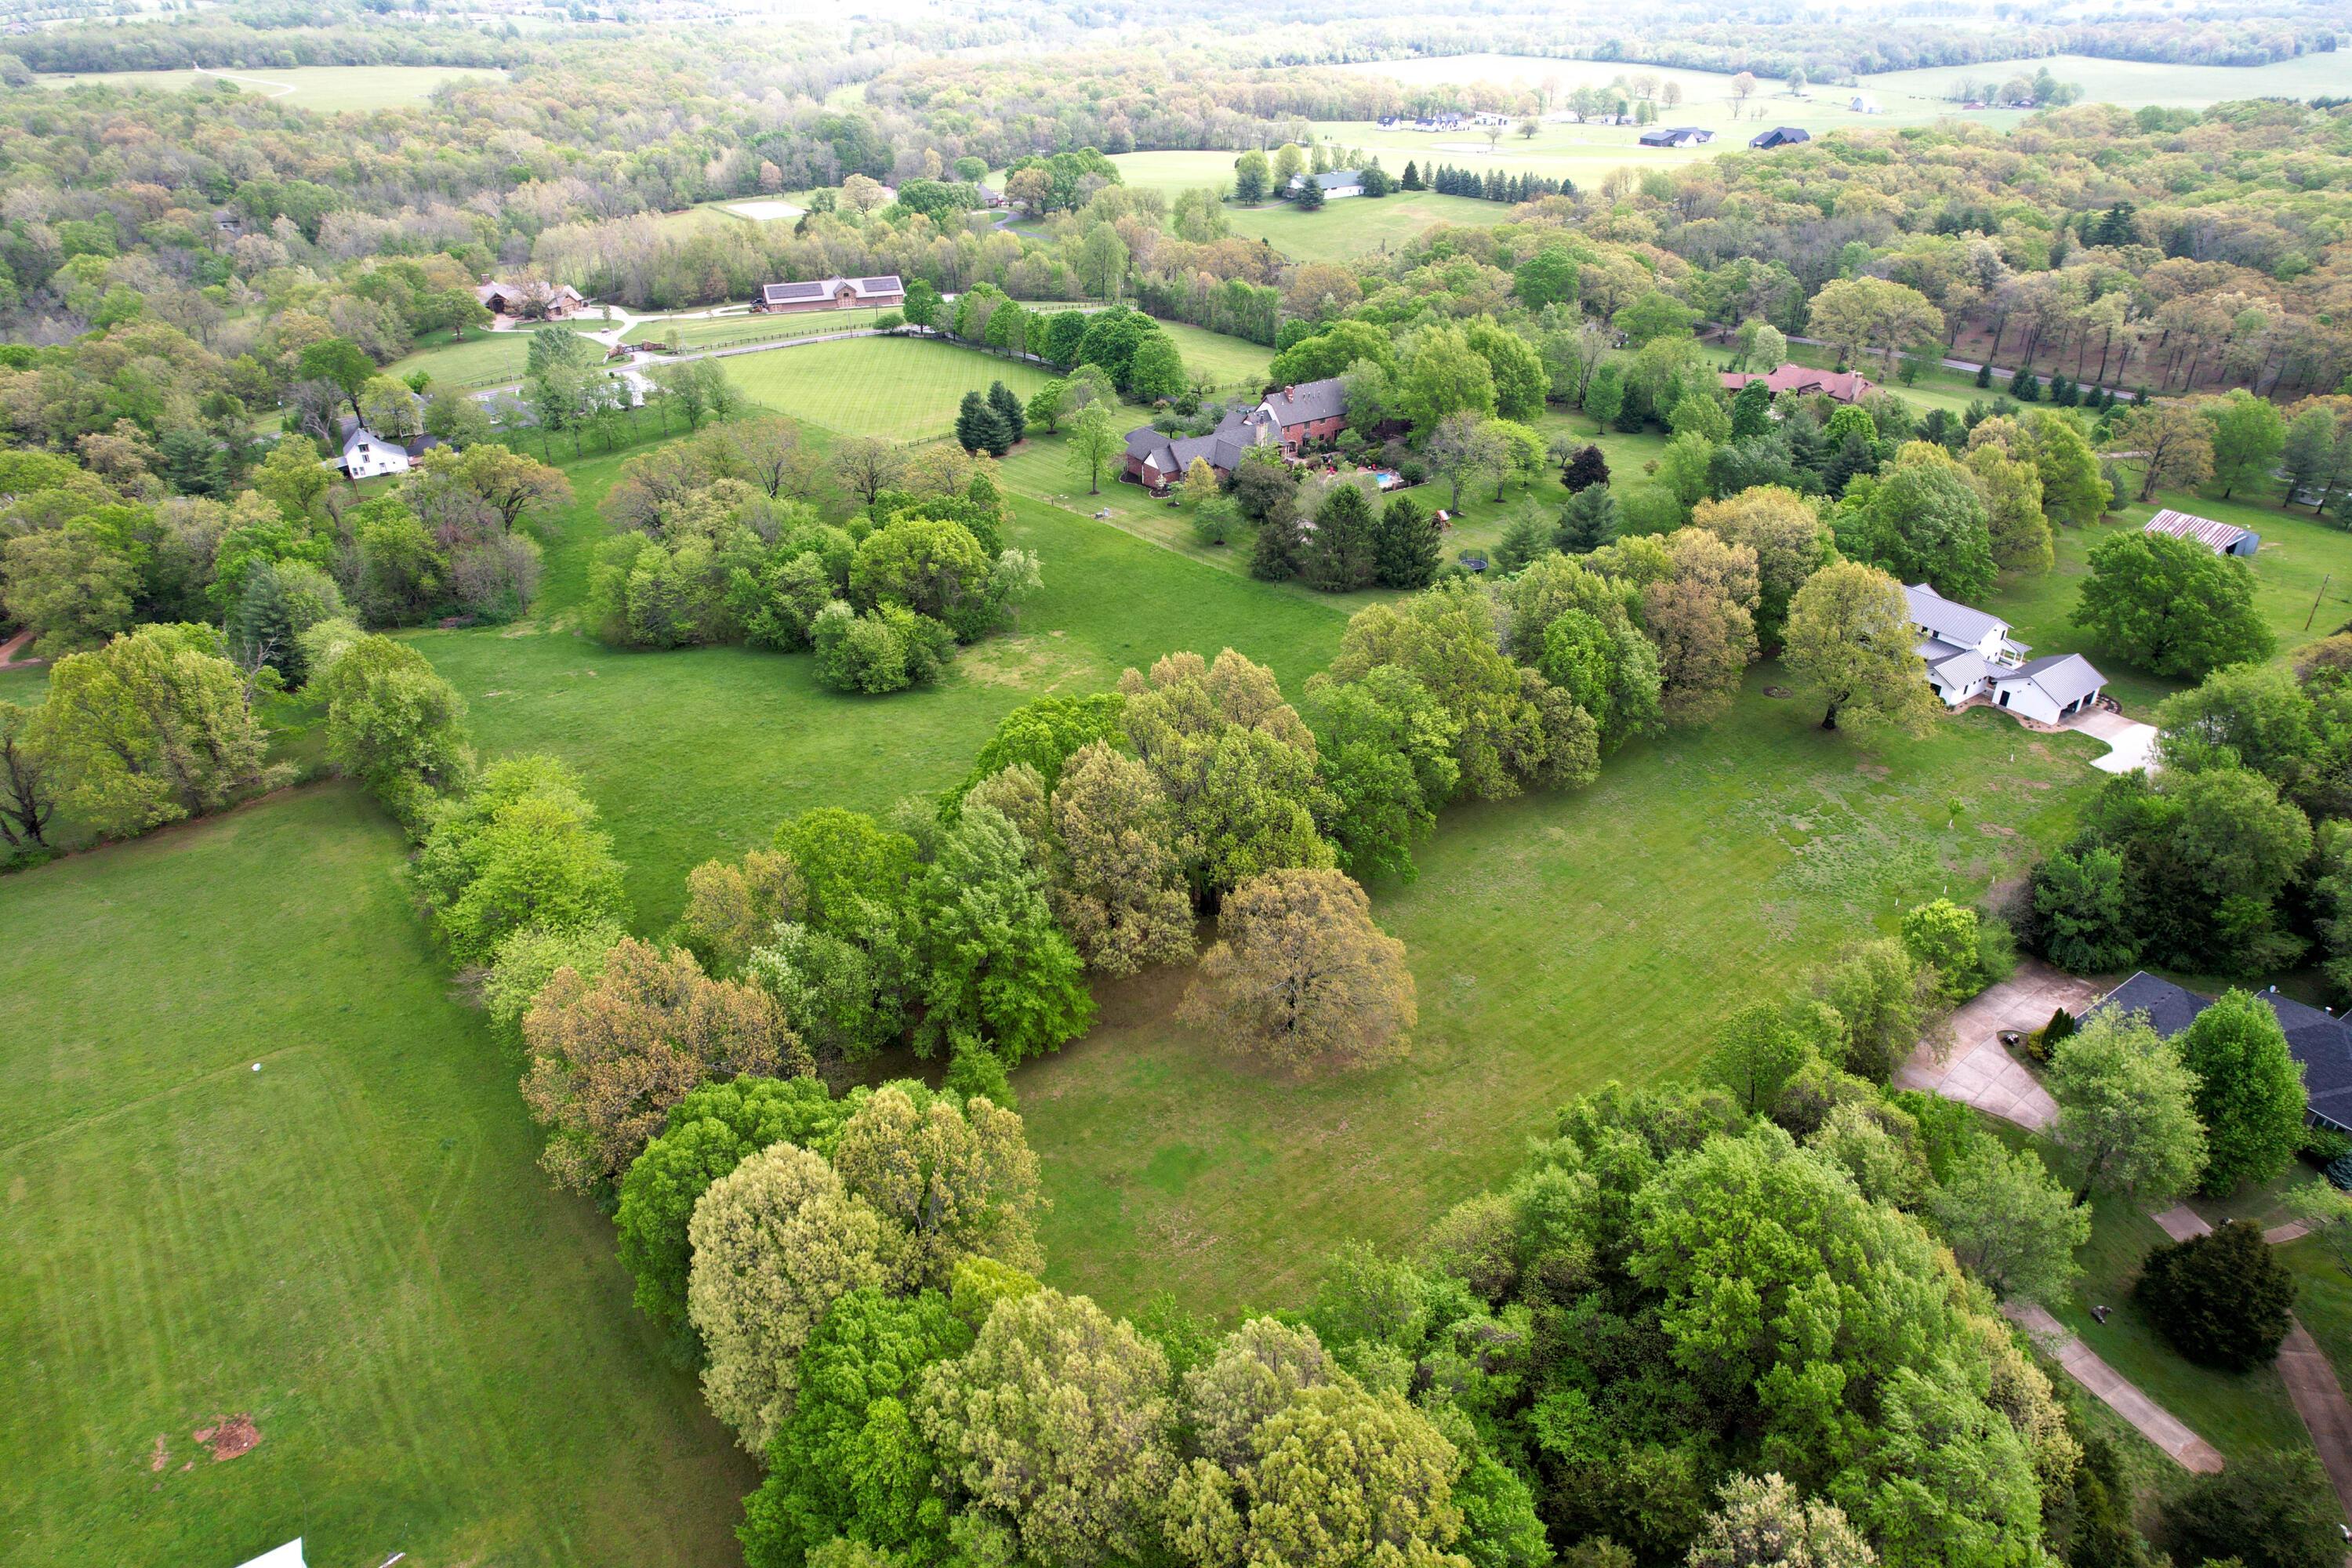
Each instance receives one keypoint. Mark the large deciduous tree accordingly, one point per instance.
(1850, 638)
(2127, 1110)
(957, 1175)
(998, 969)
(2008, 1223)
(1302, 977)
(150, 728)
(394, 724)
(2249, 1093)
(610, 1057)
(1058, 1419)
(776, 1242)
(1118, 882)
(1702, 616)
(2171, 605)
(1768, 1523)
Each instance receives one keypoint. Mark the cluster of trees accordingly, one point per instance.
(1550, 1373)
(2230, 860)
(1494, 185)
(716, 540)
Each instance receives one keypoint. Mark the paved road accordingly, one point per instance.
(2154, 1422)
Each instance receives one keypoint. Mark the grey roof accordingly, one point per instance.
(1307, 401)
(1174, 454)
(2320, 1042)
(1954, 623)
(1677, 133)
(1334, 180)
(1960, 666)
(827, 287)
(1780, 136)
(2065, 677)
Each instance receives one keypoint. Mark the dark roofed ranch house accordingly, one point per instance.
(1289, 417)
(2319, 1041)
(1780, 136)
(2221, 537)
(1675, 136)
(830, 294)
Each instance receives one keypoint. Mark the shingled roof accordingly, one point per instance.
(2321, 1042)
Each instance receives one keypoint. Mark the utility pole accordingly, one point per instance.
(2315, 601)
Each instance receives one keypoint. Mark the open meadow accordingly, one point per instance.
(2135, 83)
(327, 89)
(478, 359)
(902, 388)
(352, 1245)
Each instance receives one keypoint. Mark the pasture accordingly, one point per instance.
(325, 90)
(902, 388)
(722, 332)
(2135, 83)
(353, 1246)
(480, 358)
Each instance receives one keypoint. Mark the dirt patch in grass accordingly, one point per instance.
(228, 1436)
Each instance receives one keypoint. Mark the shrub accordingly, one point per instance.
(2222, 1300)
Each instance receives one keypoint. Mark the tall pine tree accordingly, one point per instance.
(1406, 552)
(1006, 403)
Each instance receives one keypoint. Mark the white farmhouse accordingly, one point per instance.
(1971, 654)
(1337, 183)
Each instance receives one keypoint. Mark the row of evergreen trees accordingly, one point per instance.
(1348, 545)
(2060, 390)
(1494, 185)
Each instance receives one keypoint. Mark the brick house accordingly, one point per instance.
(830, 294)
(1289, 417)
(1845, 385)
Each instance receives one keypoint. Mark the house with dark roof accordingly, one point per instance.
(1845, 385)
(830, 294)
(1290, 417)
(1675, 136)
(2221, 537)
(366, 455)
(1780, 136)
(2318, 1040)
(1335, 183)
(530, 297)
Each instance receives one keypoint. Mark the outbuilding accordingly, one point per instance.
(2049, 690)
(1780, 136)
(2221, 537)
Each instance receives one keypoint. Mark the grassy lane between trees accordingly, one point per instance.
(351, 1246)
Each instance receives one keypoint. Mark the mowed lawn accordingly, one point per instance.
(1557, 940)
(2303, 586)
(901, 388)
(351, 1246)
(700, 753)
(481, 358)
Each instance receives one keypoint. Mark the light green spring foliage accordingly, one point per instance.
(526, 959)
(1757, 1523)
(521, 849)
(394, 724)
(2009, 1224)
(998, 967)
(959, 1179)
(2127, 1110)
(1118, 883)
(1058, 1418)
(776, 1241)
(2250, 1094)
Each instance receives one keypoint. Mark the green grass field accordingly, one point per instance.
(1557, 940)
(2132, 83)
(726, 331)
(353, 1246)
(902, 388)
(481, 359)
(327, 89)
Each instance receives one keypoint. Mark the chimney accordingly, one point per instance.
(1290, 392)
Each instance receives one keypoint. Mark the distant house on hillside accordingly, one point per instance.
(1780, 136)
(2221, 537)
(1675, 136)
(1290, 419)
(2318, 1040)
(1845, 385)
(1863, 104)
(526, 298)
(830, 294)
(1337, 183)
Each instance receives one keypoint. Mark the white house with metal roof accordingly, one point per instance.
(2221, 537)
(1337, 183)
(1971, 654)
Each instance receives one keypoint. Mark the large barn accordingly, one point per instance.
(830, 294)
